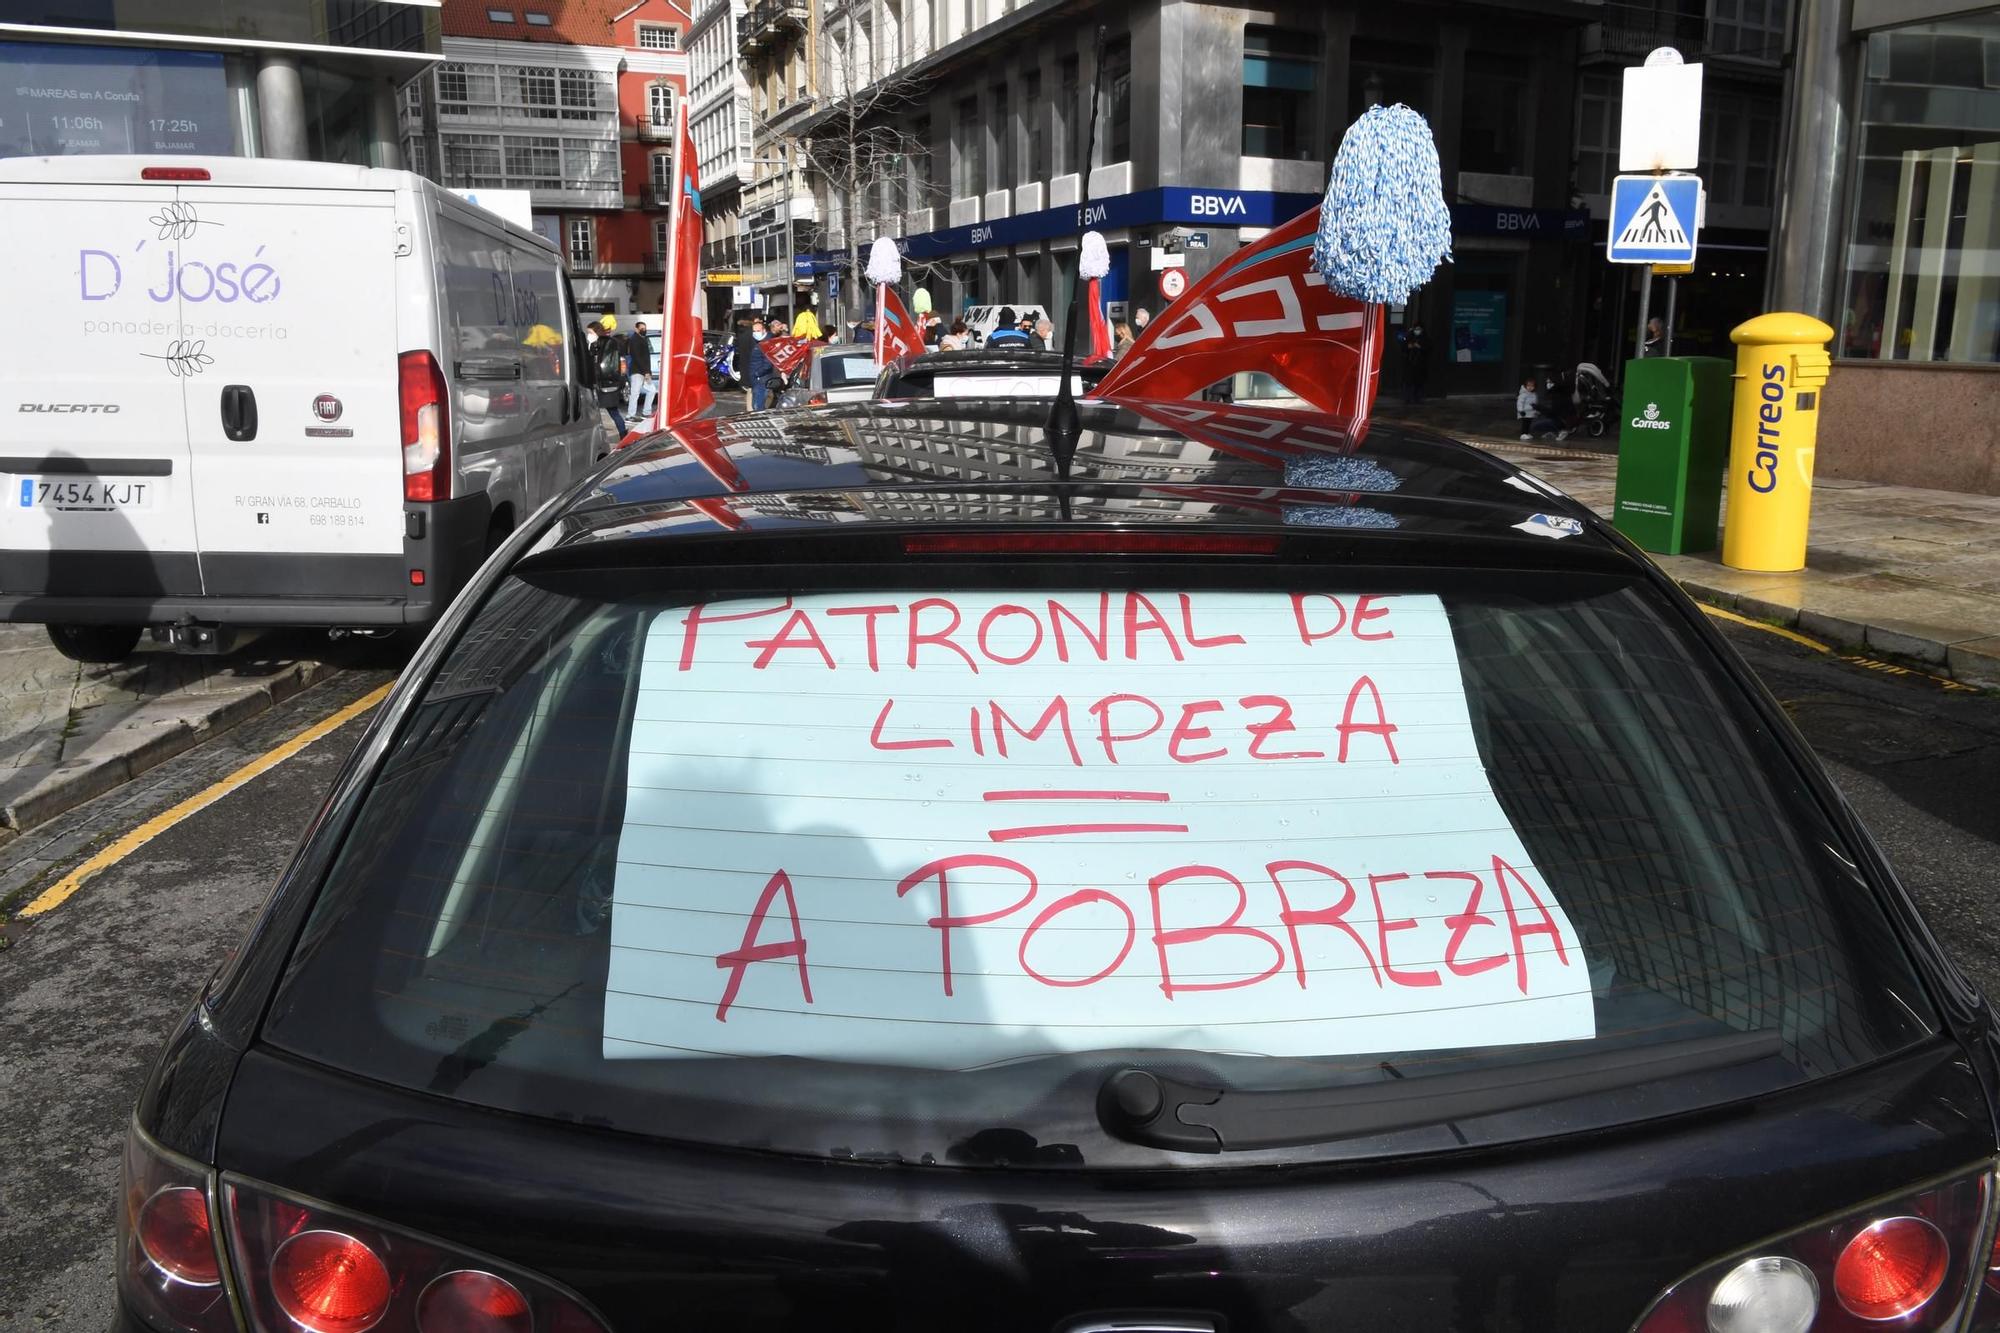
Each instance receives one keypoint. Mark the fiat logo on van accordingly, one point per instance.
(326, 407)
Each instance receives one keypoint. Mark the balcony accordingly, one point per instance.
(768, 20)
(654, 131)
(660, 194)
(1633, 28)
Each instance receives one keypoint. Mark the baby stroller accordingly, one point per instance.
(1593, 400)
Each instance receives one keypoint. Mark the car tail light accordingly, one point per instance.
(1891, 1268)
(169, 1258)
(1908, 1262)
(1110, 541)
(816, 400)
(173, 173)
(420, 394)
(305, 1267)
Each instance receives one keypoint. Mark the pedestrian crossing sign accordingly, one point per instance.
(1654, 219)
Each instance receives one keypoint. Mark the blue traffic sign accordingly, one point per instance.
(1653, 219)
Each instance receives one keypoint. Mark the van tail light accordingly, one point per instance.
(169, 1255)
(305, 1267)
(1911, 1262)
(816, 400)
(173, 173)
(426, 415)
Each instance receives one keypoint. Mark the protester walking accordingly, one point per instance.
(955, 340)
(640, 372)
(1122, 339)
(1416, 363)
(744, 342)
(1045, 334)
(610, 362)
(1007, 333)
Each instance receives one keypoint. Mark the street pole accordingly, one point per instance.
(791, 255)
(1667, 338)
(1645, 308)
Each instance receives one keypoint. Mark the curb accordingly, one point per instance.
(144, 749)
(1974, 662)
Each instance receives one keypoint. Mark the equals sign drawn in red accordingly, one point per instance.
(1071, 830)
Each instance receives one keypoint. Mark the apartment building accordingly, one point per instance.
(572, 103)
(719, 120)
(778, 45)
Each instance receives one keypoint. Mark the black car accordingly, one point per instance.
(857, 869)
(978, 372)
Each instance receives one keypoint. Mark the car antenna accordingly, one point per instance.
(1065, 423)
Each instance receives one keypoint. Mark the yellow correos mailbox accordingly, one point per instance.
(1781, 365)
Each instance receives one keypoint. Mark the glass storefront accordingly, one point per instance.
(58, 100)
(1923, 244)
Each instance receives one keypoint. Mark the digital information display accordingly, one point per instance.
(57, 100)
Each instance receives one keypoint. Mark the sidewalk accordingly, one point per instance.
(70, 732)
(1893, 568)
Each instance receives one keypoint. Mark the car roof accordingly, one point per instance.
(876, 464)
(974, 360)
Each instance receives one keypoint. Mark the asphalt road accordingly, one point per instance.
(88, 991)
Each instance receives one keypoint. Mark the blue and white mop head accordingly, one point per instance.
(1384, 227)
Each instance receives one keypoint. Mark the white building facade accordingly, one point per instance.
(719, 121)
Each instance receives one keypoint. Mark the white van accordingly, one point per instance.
(245, 392)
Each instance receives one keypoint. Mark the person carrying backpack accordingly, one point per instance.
(610, 353)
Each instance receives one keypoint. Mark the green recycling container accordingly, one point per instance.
(1673, 446)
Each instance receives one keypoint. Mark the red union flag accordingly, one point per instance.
(1267, 310)
(684, 391)
(787, 353)
(895, 332)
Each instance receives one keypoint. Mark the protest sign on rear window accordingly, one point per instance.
(947, 830)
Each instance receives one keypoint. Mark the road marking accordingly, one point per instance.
(1778, 630)
(1853, 659)
(63, 889)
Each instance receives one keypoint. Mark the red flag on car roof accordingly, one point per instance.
(1267, 309)
(684, 391)
(895, 332)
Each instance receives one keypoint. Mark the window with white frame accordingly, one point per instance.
(480, 91)
(1599, 100)
(582, 243)
(659, 37)
(472, 161)
(579, 94)
(660, 239)
(532, 89)
(663, 170)
(529, 162)
(660, 105)
(533, 162)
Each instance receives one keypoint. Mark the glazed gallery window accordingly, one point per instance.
(1923, 244)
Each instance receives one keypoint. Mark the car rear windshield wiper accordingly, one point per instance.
(1141, 1106)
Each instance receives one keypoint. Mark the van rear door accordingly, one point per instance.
(97, 498)
(294, 427)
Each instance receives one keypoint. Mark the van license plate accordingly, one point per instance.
(103, 494)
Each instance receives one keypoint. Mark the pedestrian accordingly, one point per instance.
(1416, 362)
(1656, 338)
(610, 362)
(1122, 339)
(933, 329)
(762, 375)
(1548, 419)
(1045, 333)
(746, 342)
(955, 340)
(1007, 333)
(1140, 319)
(1524, 406)
(644, 386)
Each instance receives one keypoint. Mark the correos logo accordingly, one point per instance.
(1651, 420)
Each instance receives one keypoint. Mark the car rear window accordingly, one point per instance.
(881, 870)
(839, 370)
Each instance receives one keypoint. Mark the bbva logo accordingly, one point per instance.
(1218, 206)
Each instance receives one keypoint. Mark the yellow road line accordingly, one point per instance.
(1856, 659)
(63, 889)
(1781, 632)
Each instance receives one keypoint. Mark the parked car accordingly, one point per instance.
(857, 869)
(984, 374)
(840, 373)
(297, 393)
